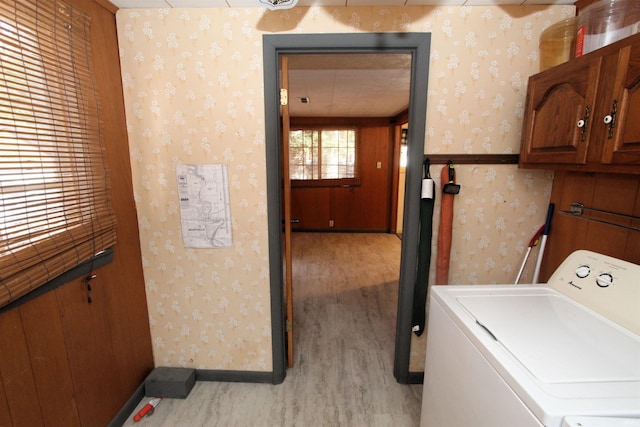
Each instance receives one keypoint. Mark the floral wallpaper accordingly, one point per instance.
(193, 82)
(496, 213)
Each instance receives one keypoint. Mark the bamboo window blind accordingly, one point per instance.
(55, 208)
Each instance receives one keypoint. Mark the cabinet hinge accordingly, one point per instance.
(284, 97)
(287, 325)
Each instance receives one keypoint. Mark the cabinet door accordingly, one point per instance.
(622, 144)
(558, 113)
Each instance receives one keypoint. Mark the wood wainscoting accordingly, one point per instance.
(364, 207)
(65, 361)
(616, 193)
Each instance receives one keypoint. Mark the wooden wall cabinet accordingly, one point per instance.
(583, 114)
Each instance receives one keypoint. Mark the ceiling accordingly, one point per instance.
(349, 85)
(256, 3)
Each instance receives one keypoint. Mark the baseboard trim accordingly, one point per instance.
(201, 375)
(415, 378)
(234, 376)
(339, 230)
(128, 408)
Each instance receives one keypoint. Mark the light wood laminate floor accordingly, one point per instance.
(345, 297)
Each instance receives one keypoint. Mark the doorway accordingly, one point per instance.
(416, 44)
(346, 111)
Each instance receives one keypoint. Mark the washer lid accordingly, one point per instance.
(556, 339)
(600, 422)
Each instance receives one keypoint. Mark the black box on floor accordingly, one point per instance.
(167, 382)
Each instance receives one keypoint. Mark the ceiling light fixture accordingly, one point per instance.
(279, 4)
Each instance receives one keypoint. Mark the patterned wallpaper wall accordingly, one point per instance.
(193, 83)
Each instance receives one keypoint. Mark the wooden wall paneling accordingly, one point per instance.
(5, 417)
(366, 207)
(606, 239)
(371, 202)
(126, 309)
(49, 361)
(612, 193)
(347, 210)
(122, 281)
(107, 343)
(395, 177)
(633, 241)
(18, 385)
(91, 359)
(360, 208)
(609, 192)
(552, 250)
(310, 205)
(567, 233)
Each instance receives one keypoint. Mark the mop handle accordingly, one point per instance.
(522, 266)
(534, 242)
(536, 237)
(543, 242)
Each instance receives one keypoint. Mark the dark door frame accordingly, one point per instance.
(418, 45)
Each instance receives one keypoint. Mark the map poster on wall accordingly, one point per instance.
(204, 205)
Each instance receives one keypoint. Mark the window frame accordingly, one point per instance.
(56, 217)
(329, 182)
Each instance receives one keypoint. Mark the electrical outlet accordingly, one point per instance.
(330, 223)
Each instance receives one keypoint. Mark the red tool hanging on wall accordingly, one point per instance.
(449, 190)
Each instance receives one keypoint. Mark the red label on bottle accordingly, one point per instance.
(580, 41)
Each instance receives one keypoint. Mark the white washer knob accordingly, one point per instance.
(583, 271)
(604, 279)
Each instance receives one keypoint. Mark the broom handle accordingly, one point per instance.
(543, 242)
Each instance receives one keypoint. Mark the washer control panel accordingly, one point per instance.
(605, 284)
(583, 271)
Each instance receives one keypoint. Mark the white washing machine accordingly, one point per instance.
(600, 422)
(564, 354)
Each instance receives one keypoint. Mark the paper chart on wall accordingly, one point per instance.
(204, 205)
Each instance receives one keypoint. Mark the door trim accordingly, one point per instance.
(418, 45)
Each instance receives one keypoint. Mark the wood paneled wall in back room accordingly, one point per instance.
(608, 192)
(63, 361)
(366, 207)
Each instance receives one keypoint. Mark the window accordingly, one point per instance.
(55, 209)
(325, 155)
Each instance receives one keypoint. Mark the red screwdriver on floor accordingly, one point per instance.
(147, 409)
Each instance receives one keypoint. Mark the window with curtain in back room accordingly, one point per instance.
(323, 156)
(55, 207)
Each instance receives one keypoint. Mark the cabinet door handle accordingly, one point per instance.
(583, 123)
(610, 119)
